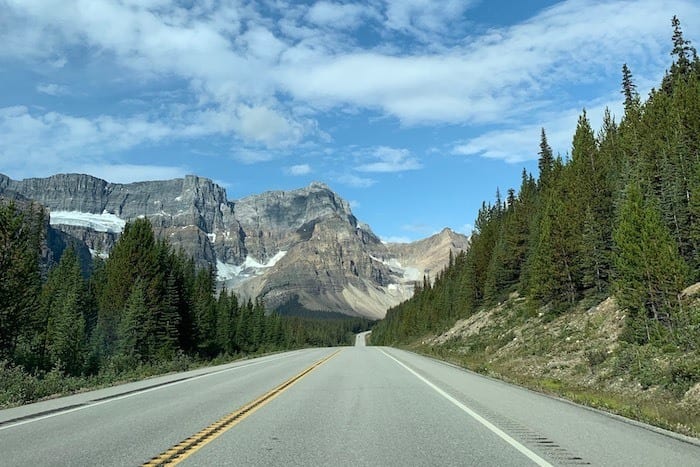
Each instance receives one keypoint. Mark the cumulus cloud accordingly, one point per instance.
(338, 15)
(266, 126)
(264, 80)
(355, 181)
(300, 169)
(388, 159)
(53, 140)
(252, 156)
(52, 89)
(521, 142)
(505, 73)
(423, 18)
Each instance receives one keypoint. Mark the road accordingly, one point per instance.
(350, 406)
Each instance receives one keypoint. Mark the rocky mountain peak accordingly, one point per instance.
(302, 247)
(283, 210)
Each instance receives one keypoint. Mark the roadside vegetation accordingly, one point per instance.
(618, 217)
(145, 310)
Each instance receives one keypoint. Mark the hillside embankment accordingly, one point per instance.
(580, 356)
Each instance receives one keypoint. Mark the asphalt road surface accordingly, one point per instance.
(354, 406)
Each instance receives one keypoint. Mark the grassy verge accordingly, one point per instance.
(654, 407)
(18, 387)
(577, 356)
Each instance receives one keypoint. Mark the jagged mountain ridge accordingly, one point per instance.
(302, 248)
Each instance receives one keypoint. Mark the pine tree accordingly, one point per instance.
(65, 299)
(546, 159)
(629, 90)
(649, 272)
(694, 219)
(683, 51)
(595, 254)
(205, 312)
(133, 258)
(21, 232)
(134, 339)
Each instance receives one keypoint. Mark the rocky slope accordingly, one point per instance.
(430, 255)
(298, 250)
(579, 355)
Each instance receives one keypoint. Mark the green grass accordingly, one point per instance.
(18, 387)
(659, 407)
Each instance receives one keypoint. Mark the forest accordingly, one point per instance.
(145, 309)
(619, 216)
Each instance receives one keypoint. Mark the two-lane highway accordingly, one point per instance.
(360, 406)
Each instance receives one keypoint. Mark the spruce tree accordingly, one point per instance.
(546, 159)
(629, 90)
(133, 258)
(65, 298)
(134, 339)
(21, 232)
(649, 272)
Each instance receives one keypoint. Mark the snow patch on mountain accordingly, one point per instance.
(250, 267)
(105, 222)
(408, 273)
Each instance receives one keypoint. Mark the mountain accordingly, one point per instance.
(301, 250)
(431, 254)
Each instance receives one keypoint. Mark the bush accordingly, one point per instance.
(596, 356)
(16, 385)
(683, 374)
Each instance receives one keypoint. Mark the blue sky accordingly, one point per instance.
(414, 111)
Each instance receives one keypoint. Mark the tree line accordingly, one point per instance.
(144, 304)
(620, 216)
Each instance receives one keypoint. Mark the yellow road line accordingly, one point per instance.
(194, 443)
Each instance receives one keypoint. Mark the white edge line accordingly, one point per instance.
(132, 394)
(503, 435)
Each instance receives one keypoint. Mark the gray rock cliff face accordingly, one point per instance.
(302, 246)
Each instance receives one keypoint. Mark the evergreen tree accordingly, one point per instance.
(649, 272)
(21, 233)
(133, 258)
(65, 302)
(205, 312)
(135, 340)
(629, 90)
(694, 219)
(546, 159)
(683, 51)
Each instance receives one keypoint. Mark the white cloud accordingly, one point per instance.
(355, 181)
(338, 15)
(252, 156)
(391, 160)
(506, 73)
(301, 169)
(52, 89)
(54, 141)
(262, 81)
(423, 18)
(264, 125)
(521, 143)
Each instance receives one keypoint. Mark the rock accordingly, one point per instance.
(295, 249)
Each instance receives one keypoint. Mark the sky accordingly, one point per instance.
(414, 111)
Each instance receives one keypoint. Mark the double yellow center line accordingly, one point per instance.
(194, 443)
